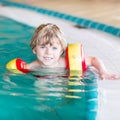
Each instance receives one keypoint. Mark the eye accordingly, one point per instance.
(55, 48)
(42, 46)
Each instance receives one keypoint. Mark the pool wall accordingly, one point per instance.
(77, 20)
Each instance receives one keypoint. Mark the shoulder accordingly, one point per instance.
(89, 60)
(31, 65)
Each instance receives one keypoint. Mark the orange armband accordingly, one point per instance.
(17, 66)
(75, 59)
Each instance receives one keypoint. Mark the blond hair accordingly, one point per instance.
(45, 33)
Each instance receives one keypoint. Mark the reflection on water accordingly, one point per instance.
(54, 98)
(43, 94)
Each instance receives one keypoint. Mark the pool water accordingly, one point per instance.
(52, 96)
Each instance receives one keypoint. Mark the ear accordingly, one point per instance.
(61, 53)
(34, 50)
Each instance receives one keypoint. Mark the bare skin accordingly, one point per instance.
(50, 56)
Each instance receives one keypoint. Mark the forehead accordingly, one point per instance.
(51, 41)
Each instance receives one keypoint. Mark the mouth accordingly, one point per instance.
(48, 58)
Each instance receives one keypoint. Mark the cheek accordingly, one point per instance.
(58, 53)
(39, 53)
(36, 50)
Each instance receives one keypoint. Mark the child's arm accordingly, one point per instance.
(17, 65)
(98, 64)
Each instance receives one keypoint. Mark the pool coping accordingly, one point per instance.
(77, 20)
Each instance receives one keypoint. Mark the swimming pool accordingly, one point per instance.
(108, 90)
(48, 97)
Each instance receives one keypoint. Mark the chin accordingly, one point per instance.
(48, 65)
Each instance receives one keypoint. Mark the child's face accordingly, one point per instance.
(48, 55)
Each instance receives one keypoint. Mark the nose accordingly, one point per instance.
(48, 51)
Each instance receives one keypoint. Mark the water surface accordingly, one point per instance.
(40, 95)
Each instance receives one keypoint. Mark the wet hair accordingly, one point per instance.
(44, 35)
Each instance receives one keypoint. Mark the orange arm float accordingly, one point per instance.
(75, 59)
(17, 66)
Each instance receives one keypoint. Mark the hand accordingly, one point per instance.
(109, 76)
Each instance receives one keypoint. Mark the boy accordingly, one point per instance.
(48, 43)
